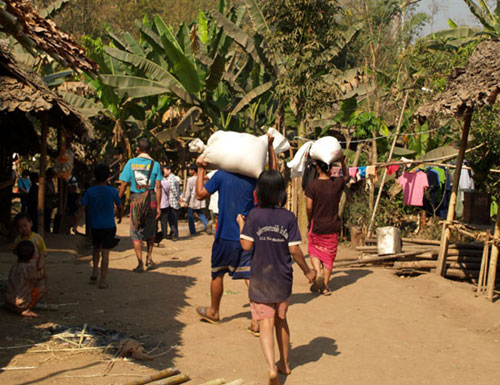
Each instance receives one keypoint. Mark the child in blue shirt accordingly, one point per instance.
(274, 234)
(100, 201)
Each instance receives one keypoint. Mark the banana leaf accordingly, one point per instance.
(202, 28)
(85, 106)
(52, 9)
(133, 45)
(150, 36)
(165, 30)
(136, 87)
(257, 17)
(182, 67)
(249, 97)
(215, 74)
(237, 34)
(152, 70)
(117, 40)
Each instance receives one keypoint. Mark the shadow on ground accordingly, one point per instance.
(124, 307)
(339, 279)
(312, 352)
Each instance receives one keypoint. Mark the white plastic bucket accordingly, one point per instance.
(388, 240)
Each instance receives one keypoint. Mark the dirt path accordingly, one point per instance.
(375, 328)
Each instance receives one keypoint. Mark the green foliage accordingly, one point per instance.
(484, 129)
(305, 36)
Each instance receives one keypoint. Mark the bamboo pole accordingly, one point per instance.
(178, 379)
(43, 172)
(218, 381)
(494, 260)
(158, 376)
(382, 183)
(445, 233)
(377, 258)
(481, 282)
(431, 264)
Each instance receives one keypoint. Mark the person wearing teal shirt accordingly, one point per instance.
(138, 174)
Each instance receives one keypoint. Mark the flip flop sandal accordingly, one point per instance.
(202, 312)
(92, 280)
(151, 265)
(139, 269)
(255, 333)
(326, 292)
(317, 286)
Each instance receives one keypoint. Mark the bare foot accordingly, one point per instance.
(29, 313)
(284, 368)
(273, 378)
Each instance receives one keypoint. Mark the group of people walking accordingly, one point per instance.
(256, 238)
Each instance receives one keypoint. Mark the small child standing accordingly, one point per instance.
(100, 201)
(25, 285)
(24, 225)
(274, 233)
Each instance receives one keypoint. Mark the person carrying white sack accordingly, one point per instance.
(236, 196)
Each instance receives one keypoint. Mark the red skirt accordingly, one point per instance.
(323, 247)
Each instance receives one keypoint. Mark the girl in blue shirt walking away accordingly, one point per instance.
(274, 233)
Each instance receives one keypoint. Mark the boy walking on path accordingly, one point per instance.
(144, 176)
(236, 196)
(194, 205)
(100, 200)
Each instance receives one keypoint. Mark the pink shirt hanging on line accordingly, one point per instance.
(414, 185)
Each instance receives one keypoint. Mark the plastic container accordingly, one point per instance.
(388, 240)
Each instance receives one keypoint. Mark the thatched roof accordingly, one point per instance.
(474, 86)
(20, 20)
(24, 94)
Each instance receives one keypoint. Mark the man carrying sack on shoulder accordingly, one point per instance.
(144, 176)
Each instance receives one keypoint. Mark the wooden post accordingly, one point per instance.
(445, 233)
(400, 121)
(483, 269)
(42, 179)
(492, 275)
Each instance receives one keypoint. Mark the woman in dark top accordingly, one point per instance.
(322, 204)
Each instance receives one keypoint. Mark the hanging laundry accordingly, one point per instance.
(353, 171)
(432, 196)
(391, 169)
(371, 172)
(335, 171)
(465, 183)
(362, 171)
(414, 185)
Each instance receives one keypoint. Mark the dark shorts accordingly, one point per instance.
(229, 257)
(104, 238)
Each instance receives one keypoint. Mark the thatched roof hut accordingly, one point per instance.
(471, 87)
(24, 95)
(35, 32)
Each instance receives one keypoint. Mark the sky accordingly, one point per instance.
(446, 9)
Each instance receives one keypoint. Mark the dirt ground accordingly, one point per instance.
(375, 328)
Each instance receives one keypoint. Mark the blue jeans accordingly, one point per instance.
(201, 215)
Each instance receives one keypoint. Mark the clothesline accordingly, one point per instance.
(378, 137)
